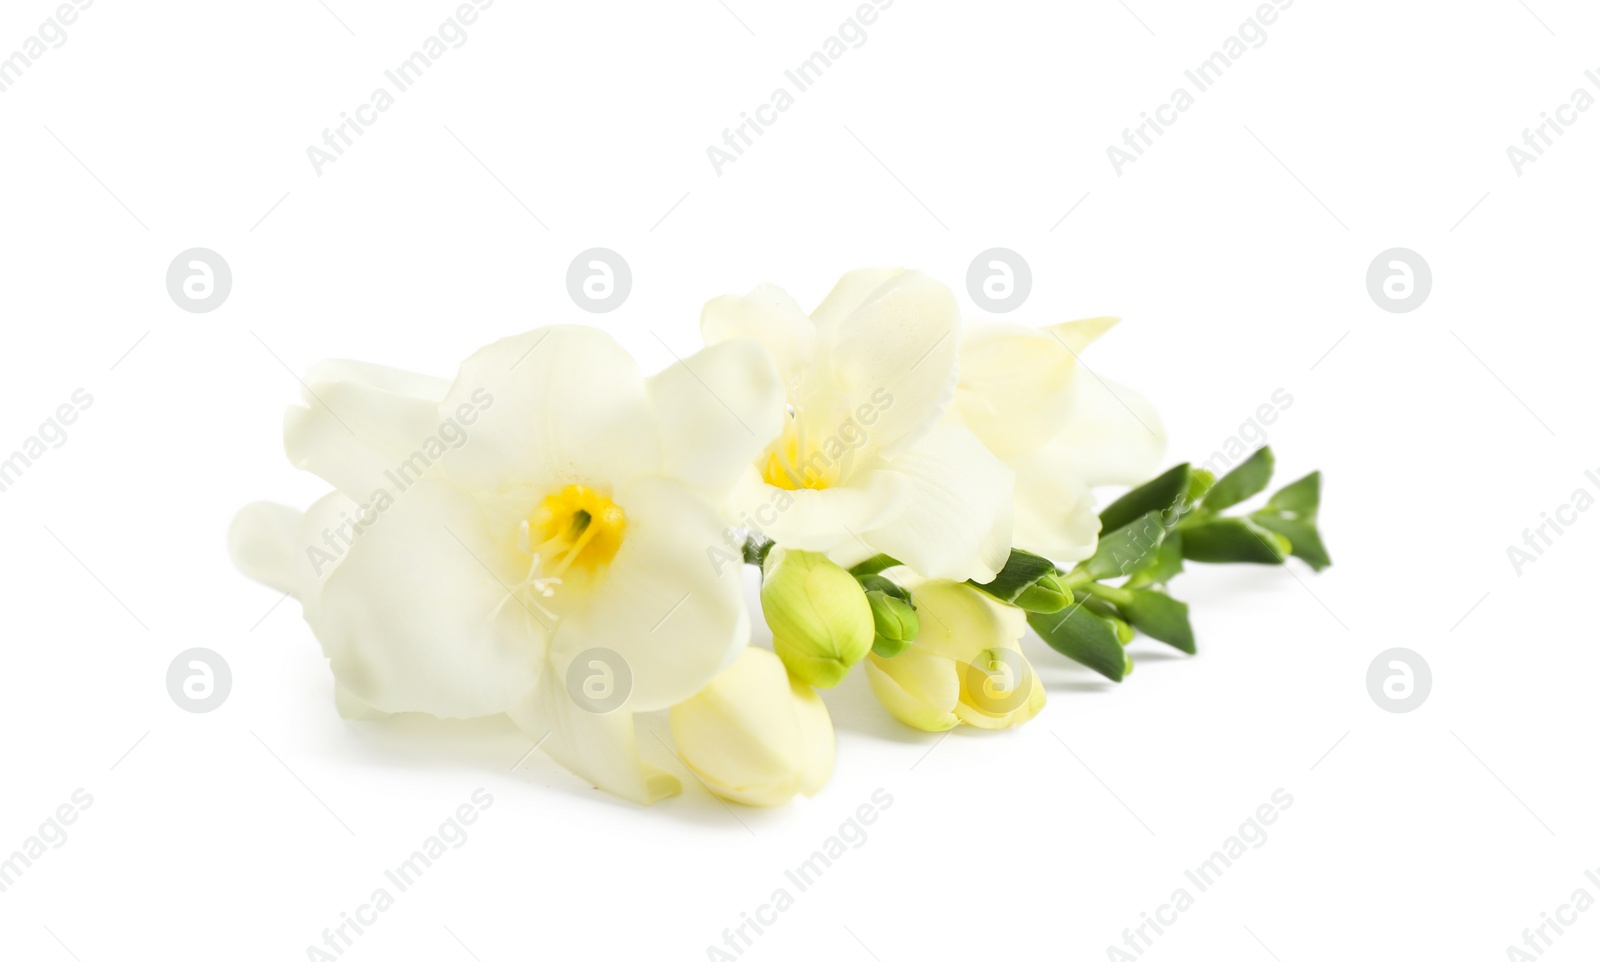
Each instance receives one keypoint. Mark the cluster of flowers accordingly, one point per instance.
(909, 486)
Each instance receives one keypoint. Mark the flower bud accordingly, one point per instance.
(1045, 596)
(820, 618)
(894, 623)
(755, 735)
(964, 667)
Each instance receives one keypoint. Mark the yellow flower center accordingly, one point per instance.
(575, 526)
(790, 463)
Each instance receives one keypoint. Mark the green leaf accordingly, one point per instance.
(1028, 581)
(1304, 540)
(1248, 478)
(1160, 616)
(1160, 494)
(1167, 564)
(873, 565)
(1084, 637)
(1126, 549)
(1200, 481)
(1226, 540)
(1298, 499)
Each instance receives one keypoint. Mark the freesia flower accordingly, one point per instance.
(1057, 425)
(529, 539)
(864, 463)
(756, 735)
(965, 666)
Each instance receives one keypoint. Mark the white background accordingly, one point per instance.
(1236, 249)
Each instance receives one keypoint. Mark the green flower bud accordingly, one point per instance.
(1045, 596)
(894, 624)
(821, 621)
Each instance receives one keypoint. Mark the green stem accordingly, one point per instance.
(1117, 596)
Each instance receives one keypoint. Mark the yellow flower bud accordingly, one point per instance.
(820, 619)
(755, 735)
(966, 665)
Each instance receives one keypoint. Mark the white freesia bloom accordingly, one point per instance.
(865, 463)
(485, 533)
(1057, 425)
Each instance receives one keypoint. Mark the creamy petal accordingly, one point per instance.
(962, 621)
(955, 522)
(1016, 387)
(770, 317)
(601, 748)
(1115, 435)
(409, 617)
(558, 405)
(851, 290)
(1077, 335)
(919, 689)
(359, 421)
(1054, 513)
(718, 409)
(900, 344)
(819, 520)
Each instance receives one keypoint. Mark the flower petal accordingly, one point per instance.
(901, 344)
(955, 522)
(602, 748)
(1016, 387)
(1077, 335)
(359, 420)
(1054, 513)
(825, 519)
(412, 617)
(560, 405)
(963, 622)
(718, 409)
(667, 604)
(920, 689)
(1115, 435)
(770, 317)
(851, 290)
